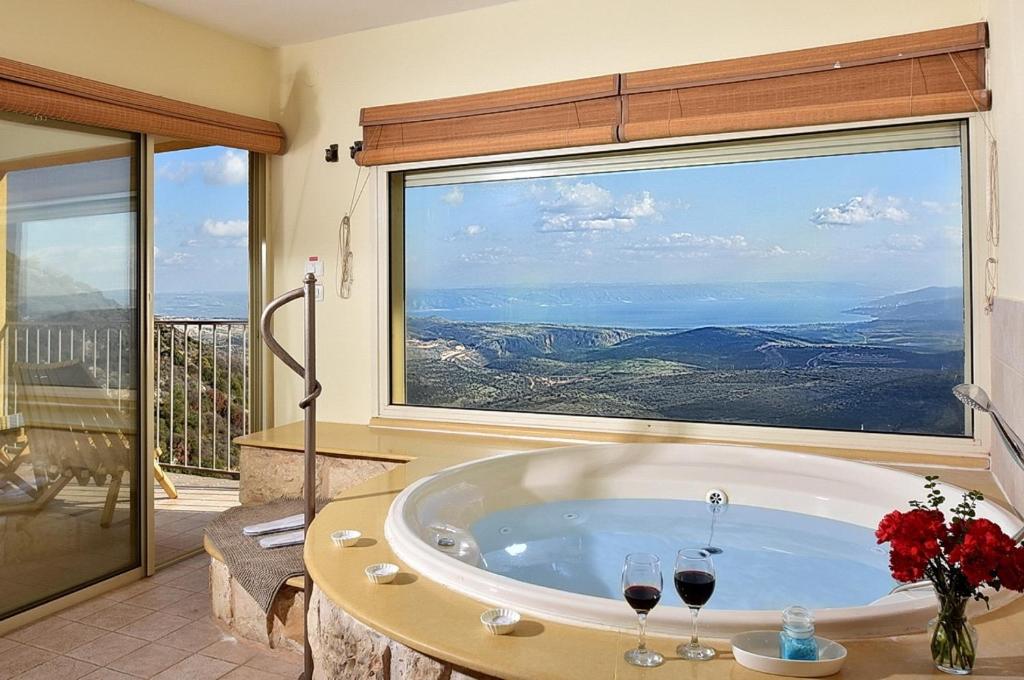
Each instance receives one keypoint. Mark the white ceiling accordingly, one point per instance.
(274, 23)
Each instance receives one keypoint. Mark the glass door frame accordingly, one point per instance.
(141, 494)
(260, 286)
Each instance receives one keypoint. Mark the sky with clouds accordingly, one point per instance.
(891, 219)
(202, 220)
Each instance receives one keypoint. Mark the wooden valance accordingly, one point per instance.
(932, 72)
(36, 91)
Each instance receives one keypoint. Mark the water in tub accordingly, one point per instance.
(770, 559)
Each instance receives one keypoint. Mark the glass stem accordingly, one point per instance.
(693, 636)
(642, 645)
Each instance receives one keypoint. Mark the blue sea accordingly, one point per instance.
(649, 306)
(211, 305)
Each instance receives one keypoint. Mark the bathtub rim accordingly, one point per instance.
(902, 614)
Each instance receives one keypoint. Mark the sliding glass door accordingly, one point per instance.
(70, 431)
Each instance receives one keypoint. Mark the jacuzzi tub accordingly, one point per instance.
(431, 527)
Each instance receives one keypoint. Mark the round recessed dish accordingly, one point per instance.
(382, 573)
(758, 650)
(346, 537)
(500, 621)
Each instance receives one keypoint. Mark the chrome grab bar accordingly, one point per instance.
(308, 405)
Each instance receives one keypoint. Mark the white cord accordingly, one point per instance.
(343, 275)
(343, 272)
(992, 194)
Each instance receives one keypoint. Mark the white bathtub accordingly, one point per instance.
(855, 493)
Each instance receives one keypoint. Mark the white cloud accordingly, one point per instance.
(940, 208)
(175, 172)
(473, 230)
(494, 255)
(231, 167)
(226, 228)
(587, 207)
(860, 210)
(454, 196)
(581, 197)
(904, 242)
(176, 258)
(606, 224)
(687, 245)
(642, 207)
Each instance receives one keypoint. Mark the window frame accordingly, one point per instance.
(976, 342)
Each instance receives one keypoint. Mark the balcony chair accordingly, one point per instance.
(73, 430)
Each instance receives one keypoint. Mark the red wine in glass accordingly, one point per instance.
(641, 586)
(694, 576)
(695, 587)
(642, 598)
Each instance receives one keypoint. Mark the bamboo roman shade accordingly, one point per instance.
(572, 113)
(932, 72)
(36, 91)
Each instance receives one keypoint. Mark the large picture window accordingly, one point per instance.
(814, 281)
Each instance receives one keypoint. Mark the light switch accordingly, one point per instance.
(315, 266)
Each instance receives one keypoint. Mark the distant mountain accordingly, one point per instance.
(46, 294)
(499, 341)
(926, 304)
(750, 348)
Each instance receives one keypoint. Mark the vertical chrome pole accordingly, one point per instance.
(309, 484)
(308, 406)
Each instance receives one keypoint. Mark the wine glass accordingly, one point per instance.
(695, 582)
(641, 586)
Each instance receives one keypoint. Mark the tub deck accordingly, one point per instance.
(432, 619)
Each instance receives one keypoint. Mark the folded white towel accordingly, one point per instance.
(274, 526)
(280, 540)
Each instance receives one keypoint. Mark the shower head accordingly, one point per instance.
(977, 398)
(973, 396)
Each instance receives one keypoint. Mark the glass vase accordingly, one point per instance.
(953, 638)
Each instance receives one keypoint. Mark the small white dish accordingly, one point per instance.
(758, 650)
(382, 573)
(500, 621)
(346, 537)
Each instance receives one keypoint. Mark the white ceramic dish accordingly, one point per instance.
(500, 621)
(346, 537)
(382, 573)
(758, 650)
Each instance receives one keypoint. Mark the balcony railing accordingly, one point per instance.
(202, 379)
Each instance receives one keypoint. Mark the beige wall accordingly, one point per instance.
(132, 45)
(1006, 68)
(325, 83)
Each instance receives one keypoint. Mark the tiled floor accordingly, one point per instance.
(62, 545)
(180, 521)
(156, 628)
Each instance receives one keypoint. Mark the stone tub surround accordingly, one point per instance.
(1008, 391)
(415, 628)
(269, 474)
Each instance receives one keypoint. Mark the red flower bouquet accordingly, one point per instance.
(960, 557)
